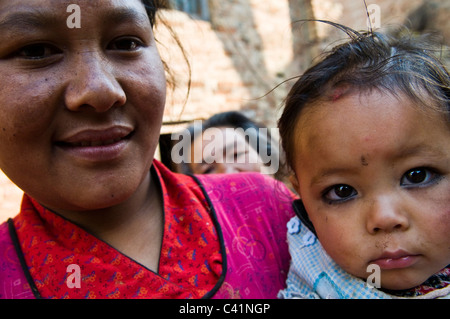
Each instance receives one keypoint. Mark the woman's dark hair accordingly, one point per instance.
(152, 7)
(234, 119)
(402, 64)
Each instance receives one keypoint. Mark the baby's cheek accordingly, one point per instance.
(343, 248)
(439, 231)
(444, 223)
(444, 206)
(438, 213)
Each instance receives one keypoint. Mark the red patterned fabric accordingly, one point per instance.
(190, 261)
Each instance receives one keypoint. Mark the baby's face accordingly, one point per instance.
(374, 174)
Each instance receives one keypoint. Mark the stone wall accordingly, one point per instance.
(251, 46)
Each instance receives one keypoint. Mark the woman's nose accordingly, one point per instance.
(93, 84)
(387, 214)
(230, 169)
(226, 168)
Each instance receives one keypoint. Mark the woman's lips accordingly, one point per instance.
(395, 260)
(96, 145)
(94, 142)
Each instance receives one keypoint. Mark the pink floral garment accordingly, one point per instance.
(252, 211)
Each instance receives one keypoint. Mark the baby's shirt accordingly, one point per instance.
(314, 275)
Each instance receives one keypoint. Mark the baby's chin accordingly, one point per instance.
(397, 280)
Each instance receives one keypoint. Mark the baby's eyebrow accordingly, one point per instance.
(424, 150)
(418, 150)
(332, 171)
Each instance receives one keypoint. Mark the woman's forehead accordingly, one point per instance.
(61, 10)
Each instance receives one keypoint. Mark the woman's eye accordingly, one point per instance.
(209, 170)
(126, 45)
(418, 176)
(239, 155)
(36, 51)
(339, 193)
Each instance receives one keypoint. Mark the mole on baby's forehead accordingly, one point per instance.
(364, 161)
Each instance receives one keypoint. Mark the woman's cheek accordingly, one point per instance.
(31, 107)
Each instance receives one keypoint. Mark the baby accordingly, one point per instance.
(367, 135)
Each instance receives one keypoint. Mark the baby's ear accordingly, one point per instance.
(294, 182)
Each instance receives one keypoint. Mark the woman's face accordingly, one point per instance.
(223, 150)
(83, 94)
(374, 174)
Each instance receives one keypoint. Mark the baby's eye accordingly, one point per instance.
(419, 176)
(339, 193)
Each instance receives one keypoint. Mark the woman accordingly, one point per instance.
(81, 114)
(230, 142)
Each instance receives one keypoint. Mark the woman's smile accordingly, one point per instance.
(85, 106)
(96, 144)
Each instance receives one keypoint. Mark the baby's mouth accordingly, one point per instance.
(395, 260)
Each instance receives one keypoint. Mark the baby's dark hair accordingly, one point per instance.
(403, 64)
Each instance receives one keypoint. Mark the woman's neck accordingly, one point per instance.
(133, 227)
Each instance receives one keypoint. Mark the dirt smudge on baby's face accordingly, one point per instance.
(382, 244)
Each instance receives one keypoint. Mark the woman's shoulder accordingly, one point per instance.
(6, 244)
(4, 233)
(252, 184)
(13, 282)
(248, 193)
